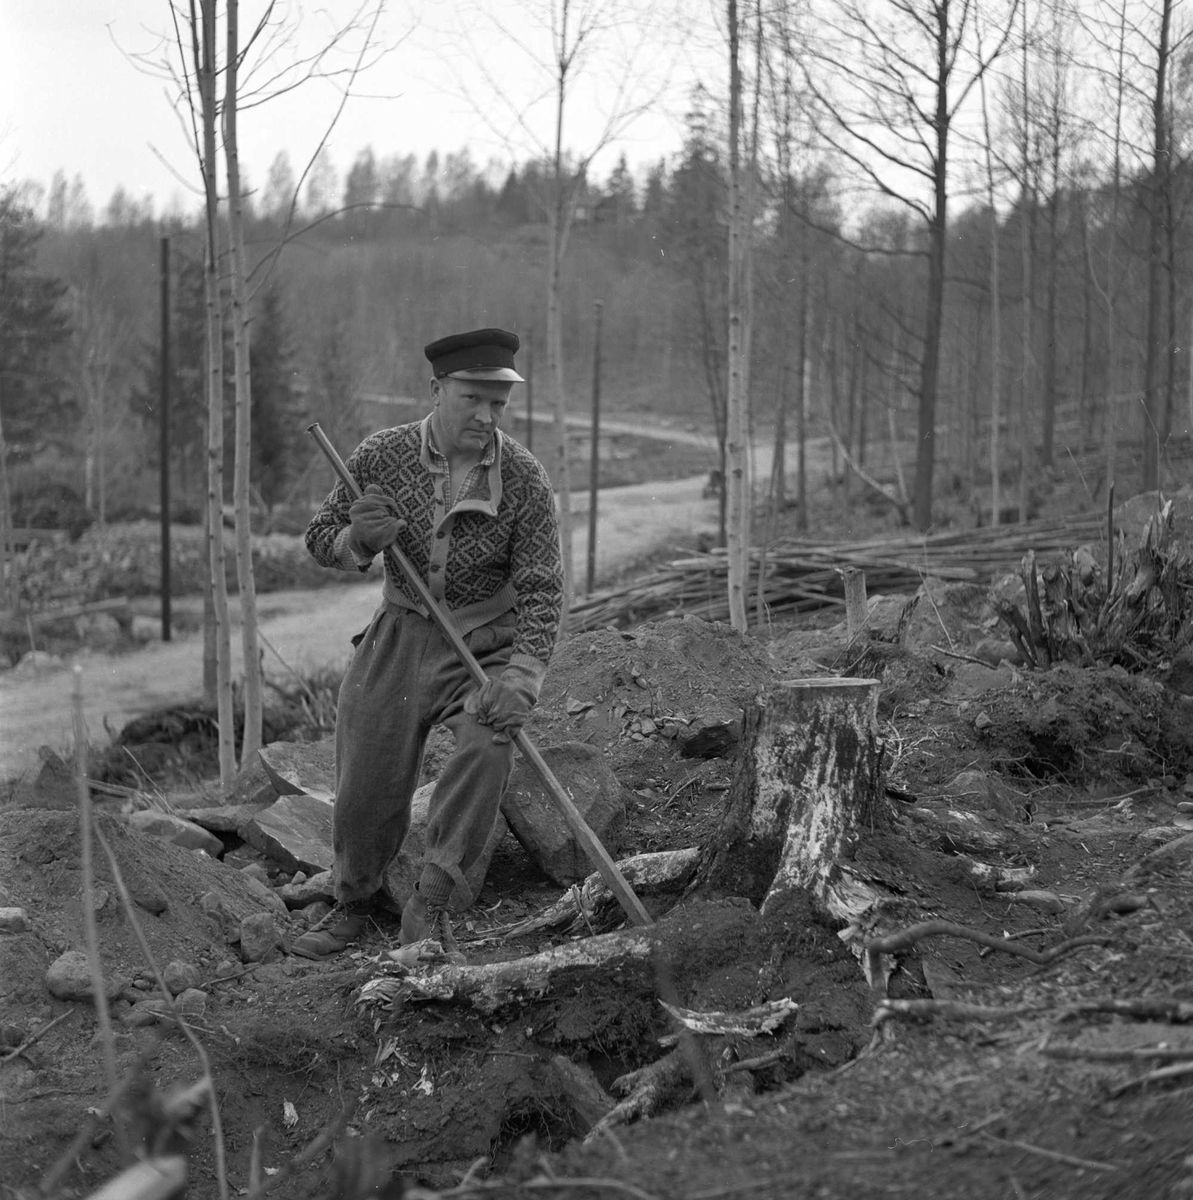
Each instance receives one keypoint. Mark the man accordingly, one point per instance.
(473, 512)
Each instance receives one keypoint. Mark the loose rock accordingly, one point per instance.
(181, 975)
(259, 938)
(13, 920)
(69, 978)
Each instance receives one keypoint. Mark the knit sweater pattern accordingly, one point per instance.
(500, 531)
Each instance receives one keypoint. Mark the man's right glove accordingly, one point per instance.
(375, 522)
(503, 703)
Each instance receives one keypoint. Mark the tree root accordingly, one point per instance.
(646, 1091)
(903, 938)
(1160, 1008)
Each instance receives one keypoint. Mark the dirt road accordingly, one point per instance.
(307, 628)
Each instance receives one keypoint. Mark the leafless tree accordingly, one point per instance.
(890, 80)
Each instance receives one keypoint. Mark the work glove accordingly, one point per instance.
(503, 703)
(375, 522)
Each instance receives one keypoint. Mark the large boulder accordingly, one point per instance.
(405, 867)
(537, 823)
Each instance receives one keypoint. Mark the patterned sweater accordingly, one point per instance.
(495, 549)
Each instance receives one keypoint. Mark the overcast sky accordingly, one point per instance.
(73, 95)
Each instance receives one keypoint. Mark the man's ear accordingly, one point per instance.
(436, 389)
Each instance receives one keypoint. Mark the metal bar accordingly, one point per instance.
(571, 814)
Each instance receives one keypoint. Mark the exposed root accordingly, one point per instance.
(900, 940)
(646, 1091)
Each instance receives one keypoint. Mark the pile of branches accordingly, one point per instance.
(1136, 614)
(800, 575)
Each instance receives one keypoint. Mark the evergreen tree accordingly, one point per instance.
(36, 407)
(277, 415)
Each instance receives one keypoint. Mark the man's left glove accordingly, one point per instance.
(504, 703)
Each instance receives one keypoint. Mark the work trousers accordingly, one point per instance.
(403, 679)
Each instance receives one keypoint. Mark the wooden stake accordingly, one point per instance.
(856, 611)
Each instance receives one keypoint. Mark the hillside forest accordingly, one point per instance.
(1028, 301)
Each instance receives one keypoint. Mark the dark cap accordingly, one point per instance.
(478, 354)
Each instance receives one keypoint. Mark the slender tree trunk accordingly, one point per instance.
(560, 220)
(1153, 366)
(8, 590)
(736, 463)
(241, 498)
(206, 75)
(934, 299)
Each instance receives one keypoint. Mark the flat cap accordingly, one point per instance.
(477, 354)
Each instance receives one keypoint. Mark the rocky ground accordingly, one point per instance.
(1042, 808)
(1078, 778)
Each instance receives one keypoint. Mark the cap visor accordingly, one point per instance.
(494, 375)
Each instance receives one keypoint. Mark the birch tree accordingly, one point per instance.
(890, 80)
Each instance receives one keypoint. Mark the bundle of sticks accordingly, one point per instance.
(801, 574)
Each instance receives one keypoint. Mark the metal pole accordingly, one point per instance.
(164, 430)
(594, 474)
(530, 395)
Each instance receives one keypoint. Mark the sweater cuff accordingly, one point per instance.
(526, 671)
(346, 558)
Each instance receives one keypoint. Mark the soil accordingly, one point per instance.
(1079, 775)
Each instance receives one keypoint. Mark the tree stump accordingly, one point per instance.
(805, 792)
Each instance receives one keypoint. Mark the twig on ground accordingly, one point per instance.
(981, 662)
(1122, 1054)
(1056, 1156)
(126, 900)
(494, 1187)
(1175, 1071)
(37, 1036)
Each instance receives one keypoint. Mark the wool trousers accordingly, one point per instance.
(405, 678)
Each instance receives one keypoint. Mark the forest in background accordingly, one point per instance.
(1077, 333)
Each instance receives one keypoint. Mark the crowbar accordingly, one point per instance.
(597, 853)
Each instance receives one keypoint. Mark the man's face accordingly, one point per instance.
(468, 411)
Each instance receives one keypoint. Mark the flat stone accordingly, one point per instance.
(13, 920)
(539, 825)
(225, 818)
(267, 896)
(299, 895)
(405, 867)
(69, 978)
(302, 768)
(295, 831)
(256, 871)
(176, 830)
(259, 937)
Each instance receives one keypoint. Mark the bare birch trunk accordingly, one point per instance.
(205, 74)
(241, 499)
(736, 480)
(995, 323)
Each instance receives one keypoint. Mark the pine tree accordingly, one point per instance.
(277, 415)
(36, 408)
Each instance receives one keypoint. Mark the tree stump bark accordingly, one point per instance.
(805, 792)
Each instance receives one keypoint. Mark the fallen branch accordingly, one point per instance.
(1176, 1071)
(37, 1036)
(1056, 1156)
(750, 1022)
